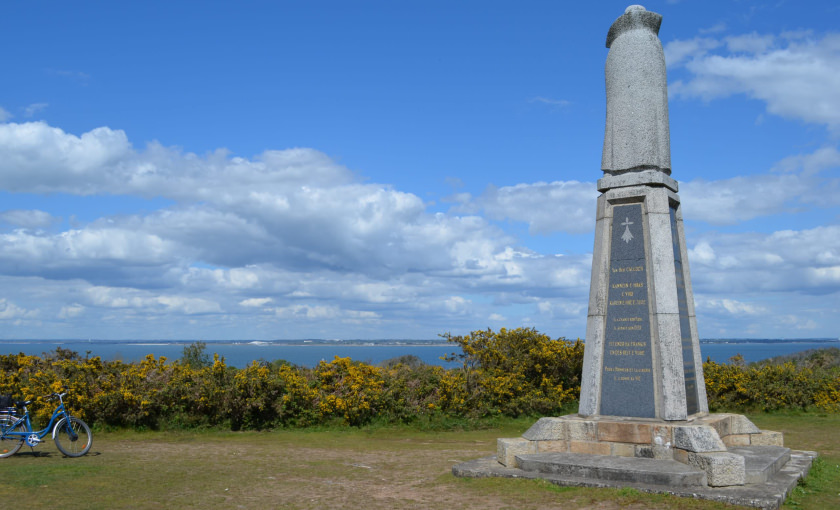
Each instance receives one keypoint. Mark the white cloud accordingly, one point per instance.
(291, 237)
(679, 51)
(784, 261)
(796, 75)
(4, 115)
(794, 184)
(255, 302)
(11, 311)
(70, 311)
(717, 27)
(286, 236)
(309, 313)
(810, 164)
(147, 302)
(566, 206)
(457, 304)
(730, 306)
(28, 218)
(730, 201)
(749, 43)
(34, 108)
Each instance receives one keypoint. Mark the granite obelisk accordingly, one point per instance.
(642, 356)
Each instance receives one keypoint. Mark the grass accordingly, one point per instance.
(373, 468)
(817, 432)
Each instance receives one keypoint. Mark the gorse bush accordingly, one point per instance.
(771, 387)
(514, 372)
(505, 373)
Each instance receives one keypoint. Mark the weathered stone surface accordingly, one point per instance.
(552, 446)
(653, 177)
(721, 423)
(722, 469)
(632, 470)
(740, 424)
(625, 432)
(681, 455)
(698, 438)
(655, 452)
(663, 436)
(589, 447)
(672, 383)
(767, 438)
(508, 448)
(637, 135)
(736, 440)
(581, 430)
(762, 462)
(546, 429)
(622, 450)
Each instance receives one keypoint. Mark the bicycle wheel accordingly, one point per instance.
(72, 436)
(9, 445)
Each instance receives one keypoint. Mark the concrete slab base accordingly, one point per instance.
(620, 469)
(768, 494)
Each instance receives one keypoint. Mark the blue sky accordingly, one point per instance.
(335, 169)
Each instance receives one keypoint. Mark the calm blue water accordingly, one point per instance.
(241, 354)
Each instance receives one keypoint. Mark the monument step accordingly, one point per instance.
(619, 469)
(762, 462)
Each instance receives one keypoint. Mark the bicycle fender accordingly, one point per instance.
(56, 427)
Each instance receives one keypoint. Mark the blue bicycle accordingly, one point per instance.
(71, 435)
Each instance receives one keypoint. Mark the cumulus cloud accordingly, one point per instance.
(730, 306)
(569, 206)
(255, 302)
(292, 238)
(679, 51)
(10, 311)
(794, 184)
(32, 219)
(806, 261)
(288, 235)
(730, 201)
(797, 75)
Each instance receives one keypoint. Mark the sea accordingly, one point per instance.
(310, 352)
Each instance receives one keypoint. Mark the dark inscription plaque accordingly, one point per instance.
(627, 380)
(685, 324)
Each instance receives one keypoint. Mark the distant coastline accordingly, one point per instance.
(309, 352)
(357, 341)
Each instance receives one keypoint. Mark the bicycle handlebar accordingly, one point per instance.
(53, 396)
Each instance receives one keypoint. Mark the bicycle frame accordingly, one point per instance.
(58, 413)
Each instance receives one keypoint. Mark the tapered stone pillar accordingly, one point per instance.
(642, 356)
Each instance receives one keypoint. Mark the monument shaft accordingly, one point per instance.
(642, 356)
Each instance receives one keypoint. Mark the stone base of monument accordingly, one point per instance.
(722, 457)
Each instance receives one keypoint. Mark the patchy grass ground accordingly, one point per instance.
(347, 468)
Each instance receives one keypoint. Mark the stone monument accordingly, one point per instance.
(642, 355)
(643, 419)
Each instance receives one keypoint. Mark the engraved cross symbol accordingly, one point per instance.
(627, 236)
